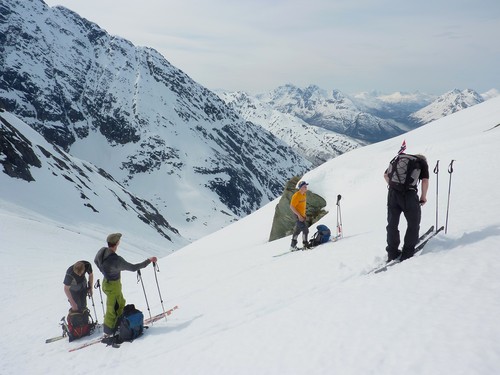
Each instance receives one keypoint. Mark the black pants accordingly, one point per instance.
(407, 203)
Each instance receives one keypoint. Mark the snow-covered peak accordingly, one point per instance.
(314, 143)
(331, 110)
(446, 104)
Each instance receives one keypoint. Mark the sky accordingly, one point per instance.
(353, 46)
(245, 310)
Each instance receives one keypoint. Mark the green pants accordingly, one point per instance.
(115, 302)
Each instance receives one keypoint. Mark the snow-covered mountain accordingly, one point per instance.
(446, 104)
(303, 118)
(397, 106)
(331, 110)
(43, 178)
(314, 143)
(127, 110)
(243, 311)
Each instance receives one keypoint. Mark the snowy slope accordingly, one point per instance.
(243, 311)
(40, 176)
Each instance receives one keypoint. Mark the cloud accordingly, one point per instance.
(254, 45)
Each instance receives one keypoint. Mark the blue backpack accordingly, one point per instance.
(131, 324)
(321, 236)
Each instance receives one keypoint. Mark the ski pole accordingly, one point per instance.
(339, 215)
(139, 277)
(93, 305)
(157, 269)
(450, 171)
(98, 286)
(436, 171)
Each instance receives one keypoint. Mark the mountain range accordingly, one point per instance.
(127, 110)
(200, 159)
(314, 143)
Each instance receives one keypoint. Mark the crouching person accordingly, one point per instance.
(76, 287)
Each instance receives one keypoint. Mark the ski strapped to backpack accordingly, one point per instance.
(403, 172)
(64, 334)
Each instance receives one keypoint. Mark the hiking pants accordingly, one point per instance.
(115, 302)
(300, 226)
(408, 203)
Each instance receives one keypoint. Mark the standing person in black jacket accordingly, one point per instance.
(403, 198)
(111, 265)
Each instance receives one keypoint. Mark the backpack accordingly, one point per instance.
(80, 324)
(322, 235)
(131, 324)
(403, 172)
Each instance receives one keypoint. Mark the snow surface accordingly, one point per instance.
(244, 311)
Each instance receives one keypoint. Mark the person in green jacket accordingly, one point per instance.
(111, 265)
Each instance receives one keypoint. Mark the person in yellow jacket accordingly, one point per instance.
(298, 207)
(111, 265)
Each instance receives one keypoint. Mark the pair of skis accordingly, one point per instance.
(146, 322)
(99, 339)
(332, 239)
(422, 241)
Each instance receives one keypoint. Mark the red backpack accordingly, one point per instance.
(80, 324)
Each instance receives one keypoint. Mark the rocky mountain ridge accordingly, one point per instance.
(127, 110)
(47, 180)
